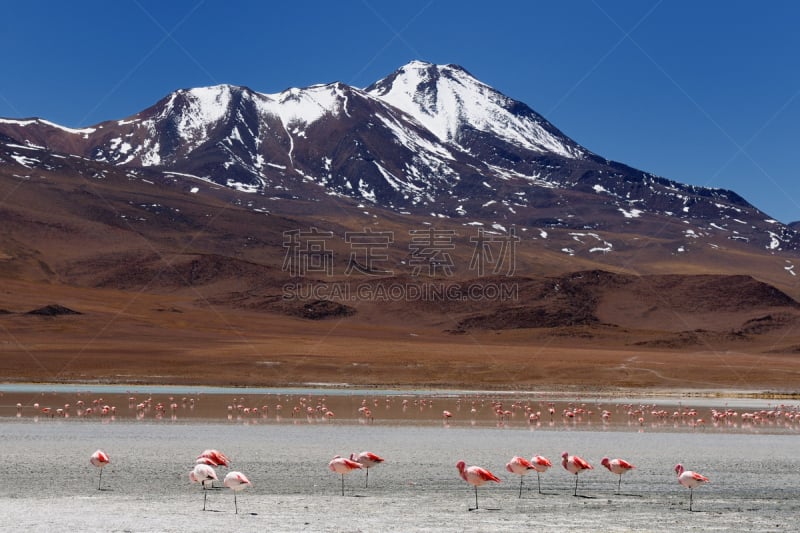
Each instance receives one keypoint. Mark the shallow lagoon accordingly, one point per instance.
(509, 409)
(50, 485)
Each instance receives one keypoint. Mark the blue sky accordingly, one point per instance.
(706, 93)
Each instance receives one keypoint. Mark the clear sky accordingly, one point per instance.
(706, 93)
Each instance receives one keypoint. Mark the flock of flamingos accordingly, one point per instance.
(533, 413)
(477, 476)
(205, 474)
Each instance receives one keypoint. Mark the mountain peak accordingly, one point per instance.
(454, 105)
(425, 65)
(417, 63)
(418, 73)
(208, 103)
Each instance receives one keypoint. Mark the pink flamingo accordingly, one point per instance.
(213, 458)
(341, 465)
(236, 481)
(541, 465)
(100, 460)
(367, 460)
(476, 476)
(690, 480)
(575, 465)
(617, 466)
(201, 474)
(519, 466)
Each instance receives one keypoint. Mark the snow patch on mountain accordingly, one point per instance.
(27, 162)
(23, 123)
(605, 246)
(205, 106)
(302, 106)
(631, 213)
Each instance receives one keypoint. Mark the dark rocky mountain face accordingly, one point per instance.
(427, 140)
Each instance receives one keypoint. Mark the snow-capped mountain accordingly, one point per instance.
(428, 139)
(461, 110)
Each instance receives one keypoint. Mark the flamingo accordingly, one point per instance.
(476, 476)
(367, 460)
(236, 481)
(617, 466)
(99, 459)
(213, 456)
(575, 465)
(201, 474)
(341, 465)
(520, 466)
(206, 461)
(541, 465)
(690, 480)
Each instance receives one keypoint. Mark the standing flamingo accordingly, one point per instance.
(518, 465)
(476, 476)
(343, 466)
(690, 480)
(541, 465)
(213, 458)
(100, 460)
(367, 460)
(575, 465)
(617, 466)
(201, 474)
(236, 481)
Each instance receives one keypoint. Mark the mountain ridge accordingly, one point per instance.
(426, 140)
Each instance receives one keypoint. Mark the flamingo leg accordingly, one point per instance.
(576, 486)
(366, 483)
(342, 484)
(235, 505)
(619, 483)
(691, 492)
(205, 495)
(539, 482)
(476, 497)
(520, 486)
(100, 480)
